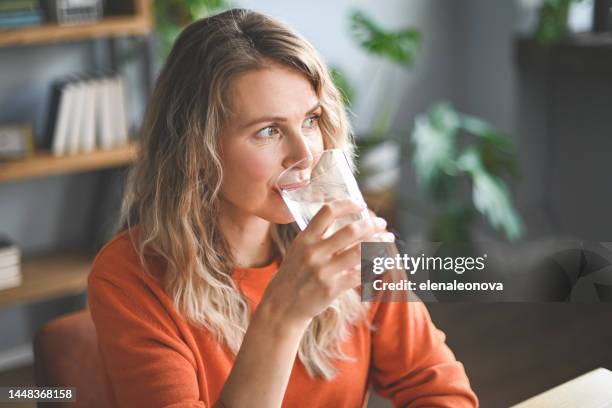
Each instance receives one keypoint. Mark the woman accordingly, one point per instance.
(208, 296)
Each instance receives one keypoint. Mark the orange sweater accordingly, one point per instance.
(154, 358)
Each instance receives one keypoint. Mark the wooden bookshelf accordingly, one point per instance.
(50, 276)
(62, 274)
(139, 22)
(43, 163)
(48, 33)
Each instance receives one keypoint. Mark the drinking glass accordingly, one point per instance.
(310, 183)
(314, 181)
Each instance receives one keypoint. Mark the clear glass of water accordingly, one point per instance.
(312, 182)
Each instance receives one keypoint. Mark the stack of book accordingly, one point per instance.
(88, 113)
(18, 13)
(73, 11)
(10, 259)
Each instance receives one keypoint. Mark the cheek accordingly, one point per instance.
(247, 173)
(257, 169)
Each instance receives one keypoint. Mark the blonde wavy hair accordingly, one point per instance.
(172, 192)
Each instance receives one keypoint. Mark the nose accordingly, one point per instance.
(299, 153)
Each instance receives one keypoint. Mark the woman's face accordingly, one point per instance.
(274, 124)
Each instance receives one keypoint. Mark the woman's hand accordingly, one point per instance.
(384, 236)
(317, 270)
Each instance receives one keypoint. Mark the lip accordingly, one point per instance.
(291, 186)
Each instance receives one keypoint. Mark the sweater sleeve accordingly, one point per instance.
(146, 362)
(412, 365)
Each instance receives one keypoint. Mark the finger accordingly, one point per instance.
(352, 233)
(374, 216)
(380, 223)
(384, 236)
(328, 214)
(350, 278)
(346, 259)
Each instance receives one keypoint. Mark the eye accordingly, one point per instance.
(269, 132)
(312, 122)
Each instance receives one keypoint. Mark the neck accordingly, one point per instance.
(248, 236)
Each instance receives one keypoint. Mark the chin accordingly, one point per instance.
(277, 212)
(281, 216)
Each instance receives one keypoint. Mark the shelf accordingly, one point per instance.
(50, 276)
(581, 54)
(48, 33)
(43, 163)
(139, 22)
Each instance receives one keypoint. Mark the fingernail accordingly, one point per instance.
(380, 222)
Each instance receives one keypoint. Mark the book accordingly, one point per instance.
(16, 14)
(63, 121)
(76, 127)
(18, 5)
(8, 272)
(53, 112)
(106, 140)
(118, 113)
(87, 113)
(88, 125)
(10, 281)
(20, 18)
(10, 257)
(8, 248)
(10, 264)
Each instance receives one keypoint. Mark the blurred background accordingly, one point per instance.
(476, 120)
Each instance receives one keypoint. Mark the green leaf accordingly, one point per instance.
(434, 139)
(440, 168)
(400, 46)
(444, 117)
(498, 161)
(495, 148)
(552, 25)
(491, 196)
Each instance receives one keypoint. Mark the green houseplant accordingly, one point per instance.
(442, 163)
(171, 16)
(448, 149)
(552, 19)
(378, 166)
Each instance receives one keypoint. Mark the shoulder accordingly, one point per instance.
(118, 262)
(127, 303)
(119, 251)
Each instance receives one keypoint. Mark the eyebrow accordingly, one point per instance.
(277, 118)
